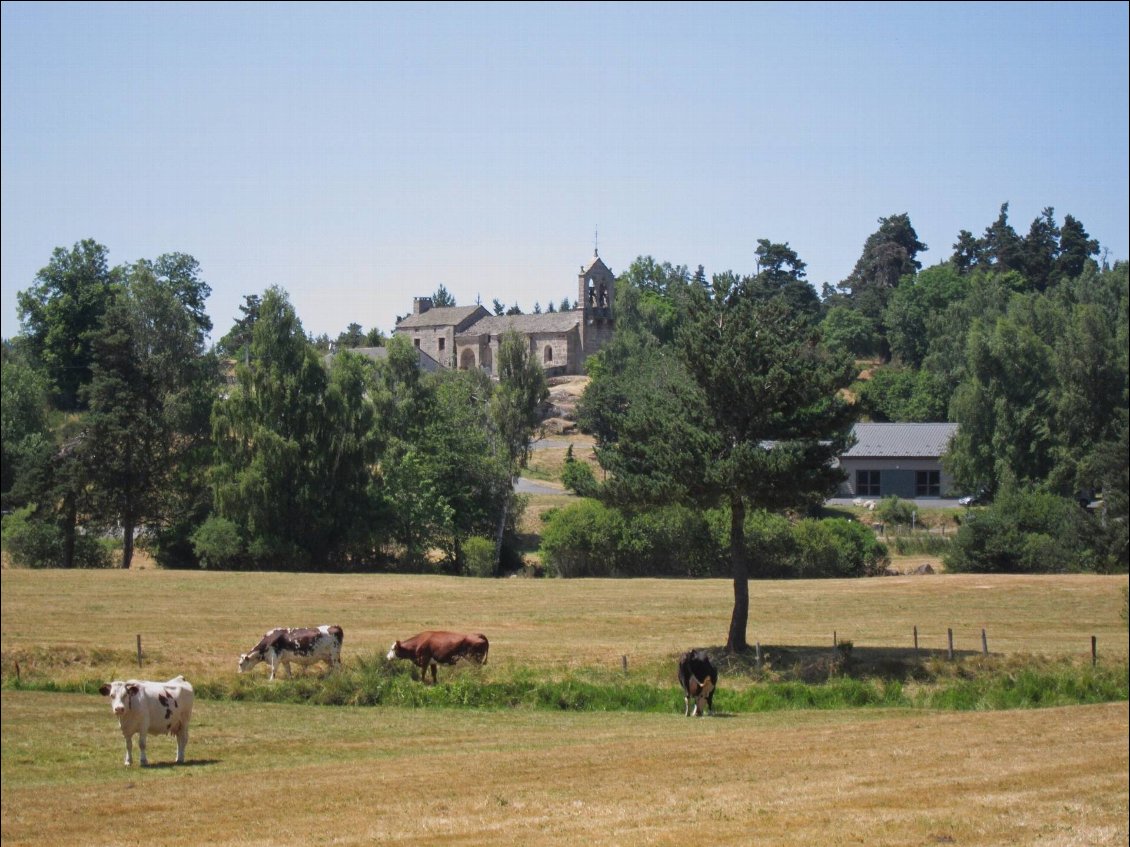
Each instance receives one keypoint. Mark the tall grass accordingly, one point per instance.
(920, 545)
(1013, 683)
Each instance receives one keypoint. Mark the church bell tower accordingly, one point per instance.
(595, 289)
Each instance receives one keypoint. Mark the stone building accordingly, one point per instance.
(468, 336)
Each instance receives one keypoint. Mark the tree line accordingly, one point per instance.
(120, 420)
(727, 392)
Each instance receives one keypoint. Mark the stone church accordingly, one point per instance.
(467, 337)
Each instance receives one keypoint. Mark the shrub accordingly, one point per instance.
(592, 539)
(671, 541)
(39, 544)
(922, 545)
(578, 477)
(891, 510)
(1021, 532)
(478, 556)
(836, 547)
(217, 543)
(769, 540)
(582, 540)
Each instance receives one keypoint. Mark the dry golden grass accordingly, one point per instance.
(295, 775)
(198, 622)
(298, 775)
(546, 462)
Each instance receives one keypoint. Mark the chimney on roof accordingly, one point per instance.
(421, 305)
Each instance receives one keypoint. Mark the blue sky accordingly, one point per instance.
(357, 155)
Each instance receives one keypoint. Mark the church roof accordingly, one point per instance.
(551, 322)
(593, 263)
(442, 316)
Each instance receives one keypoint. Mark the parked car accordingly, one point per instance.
(978, 499)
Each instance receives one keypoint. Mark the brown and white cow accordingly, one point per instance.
(303, 646)
(444, 648)
(699, 678)
(143, 707)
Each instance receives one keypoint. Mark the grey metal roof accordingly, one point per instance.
(918, 440)
(443, 316)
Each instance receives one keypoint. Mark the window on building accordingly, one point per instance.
(416, 343)
(548, 354)
(442, 341)
(928, 484)
(867, 483)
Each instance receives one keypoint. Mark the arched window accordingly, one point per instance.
(548, 353)
(467, 359)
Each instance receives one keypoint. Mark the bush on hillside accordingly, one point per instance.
(578, 477)
(895, 511)
(478, 556)
(1022, 532)
(217, 543)
(39, 544)
(592, 539)
(836, 547)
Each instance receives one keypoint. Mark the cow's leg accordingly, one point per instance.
(129, 750)
(286, 667)
(686, 705)
(182, 743)
(434, 667)
(273, 662)
(141, 746)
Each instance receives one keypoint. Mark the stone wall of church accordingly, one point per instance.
(438, 342)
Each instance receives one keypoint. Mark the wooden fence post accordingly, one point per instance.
(984, 643)
(139, 649)
(949, 634)
(624, 663)
(1094, 651)
(758, 654)
(915, 642)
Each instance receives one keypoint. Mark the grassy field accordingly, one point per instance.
(301, 774)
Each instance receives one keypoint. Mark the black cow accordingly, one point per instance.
(699, 678)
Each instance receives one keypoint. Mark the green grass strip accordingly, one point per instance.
(378, 684)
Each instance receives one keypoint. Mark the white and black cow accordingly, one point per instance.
(143, 707)
(699, 678)
(302, 646)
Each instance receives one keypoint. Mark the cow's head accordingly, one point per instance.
(702, 701)
(120, 694)
(393, 651)
(249, 660)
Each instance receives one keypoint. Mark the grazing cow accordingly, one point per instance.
(303, 646)
(445, 648)
(699, 678)
(143, 707)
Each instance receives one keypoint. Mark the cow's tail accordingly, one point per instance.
(483, 650)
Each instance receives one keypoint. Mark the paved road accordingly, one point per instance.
(531, 486)
(925, 503)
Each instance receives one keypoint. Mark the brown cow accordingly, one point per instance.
(431, 648)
